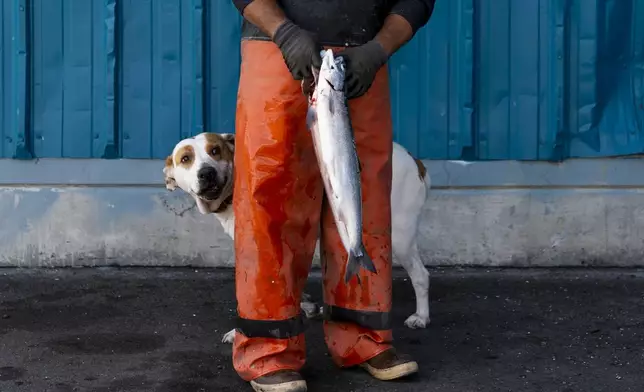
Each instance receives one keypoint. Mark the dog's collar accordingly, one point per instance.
(224, 204)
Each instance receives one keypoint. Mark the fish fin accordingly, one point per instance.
(311, 118)
(357, 259)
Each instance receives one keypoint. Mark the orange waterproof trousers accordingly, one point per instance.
(278, 205)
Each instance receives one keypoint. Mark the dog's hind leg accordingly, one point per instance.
(419, 276)
(310, 309)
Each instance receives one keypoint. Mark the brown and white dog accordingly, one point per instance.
(203, 167)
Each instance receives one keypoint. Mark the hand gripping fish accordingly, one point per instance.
(330, 125)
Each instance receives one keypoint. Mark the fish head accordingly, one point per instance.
(332, 73)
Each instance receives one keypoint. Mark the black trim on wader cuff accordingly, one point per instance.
(272, 329)
(377, 321)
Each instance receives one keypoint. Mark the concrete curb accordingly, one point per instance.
(90, 221)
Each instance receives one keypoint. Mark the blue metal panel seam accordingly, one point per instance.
(223, 59)
(105, 144)
(5, 101)
(638, 62)
(18, 81)
(461, 108)
(197, 66)
(550, 80)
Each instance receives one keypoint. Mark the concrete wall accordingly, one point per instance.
(59, 212)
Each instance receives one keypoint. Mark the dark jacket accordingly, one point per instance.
(343, 22)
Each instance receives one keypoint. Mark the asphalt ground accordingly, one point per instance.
(159, 330)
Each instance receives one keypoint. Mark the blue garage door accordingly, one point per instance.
(485, 80)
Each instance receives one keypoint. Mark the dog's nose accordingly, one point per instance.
(207, 174)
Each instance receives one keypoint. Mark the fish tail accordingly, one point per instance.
(355, 260)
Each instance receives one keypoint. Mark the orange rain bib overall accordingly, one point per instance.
(279, 208)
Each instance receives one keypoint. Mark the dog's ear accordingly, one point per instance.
(229, 138)
(168, 172)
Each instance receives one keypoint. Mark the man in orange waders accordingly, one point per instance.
(279, 199)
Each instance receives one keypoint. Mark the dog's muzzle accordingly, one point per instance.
(209, 186)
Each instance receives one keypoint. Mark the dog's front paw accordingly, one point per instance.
(416, 321)
(310, 309)
(229, 337)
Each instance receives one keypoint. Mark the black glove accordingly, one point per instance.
(362, 64)
(299, 49)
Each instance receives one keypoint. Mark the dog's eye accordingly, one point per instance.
(215, 150)
(185, 159)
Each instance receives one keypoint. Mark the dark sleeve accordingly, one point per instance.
(417, 12)
(241, 4)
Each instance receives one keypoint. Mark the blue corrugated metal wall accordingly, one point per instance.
(72, 72)
(486, 79)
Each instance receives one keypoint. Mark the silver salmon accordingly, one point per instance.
(330, 125)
